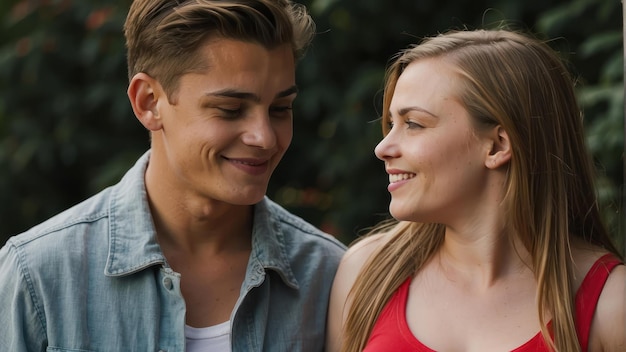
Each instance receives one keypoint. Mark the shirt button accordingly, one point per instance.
(167, 283)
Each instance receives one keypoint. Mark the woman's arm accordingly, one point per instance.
(349, 268)
(608, 330)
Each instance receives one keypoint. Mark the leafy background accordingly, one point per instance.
(67, 130)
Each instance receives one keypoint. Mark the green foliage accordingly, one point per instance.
(67, 131)
(594, 29)
(66, 126)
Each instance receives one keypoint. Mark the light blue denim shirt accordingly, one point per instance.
(93, 278)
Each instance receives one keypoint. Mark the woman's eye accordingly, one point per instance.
(413, 125)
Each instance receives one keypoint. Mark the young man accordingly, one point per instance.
(186, 253)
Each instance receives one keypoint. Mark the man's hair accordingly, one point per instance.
(163, 37)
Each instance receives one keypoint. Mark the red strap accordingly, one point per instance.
(589, 293)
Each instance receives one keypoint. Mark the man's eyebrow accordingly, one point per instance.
(232, 93)
(287, 92)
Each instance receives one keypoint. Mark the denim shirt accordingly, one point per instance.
(94, 278)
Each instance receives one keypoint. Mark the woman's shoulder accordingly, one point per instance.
(609, 322)
(584, 256)
(362, 249)
(349, 268)
(353, 261)
(610, 317)
(608, 328)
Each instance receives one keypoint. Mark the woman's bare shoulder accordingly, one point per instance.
(584, 256)
(362, 249)
(608, 330)
(354, 260)
(347, 273)
(609, 323)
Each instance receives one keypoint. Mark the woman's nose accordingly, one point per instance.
(387, 148)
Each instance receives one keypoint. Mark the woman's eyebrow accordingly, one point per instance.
(408, 109)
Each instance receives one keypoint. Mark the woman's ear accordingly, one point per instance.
(500, 152)
(144, 93)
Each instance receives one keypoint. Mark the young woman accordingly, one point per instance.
(498, 244)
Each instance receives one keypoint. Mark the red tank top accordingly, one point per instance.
(391, 331)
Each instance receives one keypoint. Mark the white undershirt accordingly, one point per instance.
(214, 338)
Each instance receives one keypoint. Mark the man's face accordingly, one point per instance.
(226, 129)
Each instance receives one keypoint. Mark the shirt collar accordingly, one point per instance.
(132, 237)
(133, 245)
(268, 242)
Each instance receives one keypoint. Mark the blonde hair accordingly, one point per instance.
(518, 82)
(163, 37)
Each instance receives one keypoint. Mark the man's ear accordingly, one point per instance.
(500, 152)
(144, 93)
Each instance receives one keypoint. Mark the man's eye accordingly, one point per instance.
(280, 108)
(230, 113)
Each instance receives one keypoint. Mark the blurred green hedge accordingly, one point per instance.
(67, 130)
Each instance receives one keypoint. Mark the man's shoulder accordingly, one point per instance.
(77, 219)
(64, 224)
(61, 244)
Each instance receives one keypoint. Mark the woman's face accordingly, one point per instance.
(434, 156)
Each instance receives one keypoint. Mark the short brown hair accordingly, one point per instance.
(163, 36)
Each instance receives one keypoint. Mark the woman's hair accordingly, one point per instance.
(518, 82)
(163, 37)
